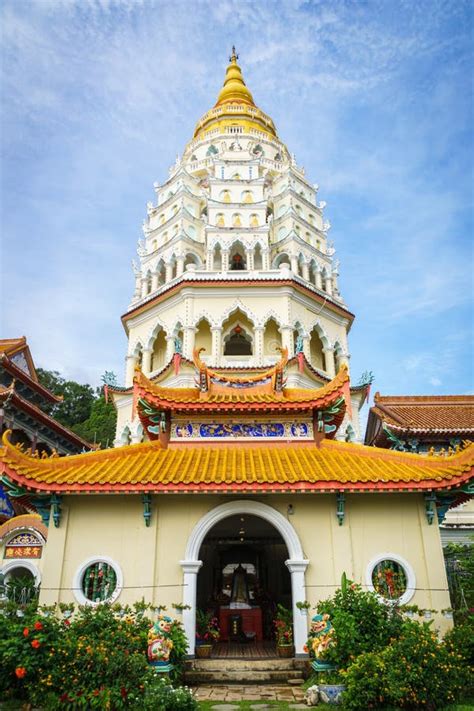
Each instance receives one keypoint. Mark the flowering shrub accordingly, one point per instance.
(361, 624)
(414, 671)
(94, 660)
(207, 627)
(283, 624)
(159, 695)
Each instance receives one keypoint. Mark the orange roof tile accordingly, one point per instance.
(187, 469)
(192, 398)
(426, 413)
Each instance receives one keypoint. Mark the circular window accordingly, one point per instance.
(98, 580)
(392, 578)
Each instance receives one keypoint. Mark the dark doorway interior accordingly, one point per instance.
(244, 576)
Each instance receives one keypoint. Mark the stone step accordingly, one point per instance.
(230, 664)
(242, 676)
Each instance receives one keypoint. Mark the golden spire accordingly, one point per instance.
(234, 89)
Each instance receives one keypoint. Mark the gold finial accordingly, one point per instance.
(234, 90)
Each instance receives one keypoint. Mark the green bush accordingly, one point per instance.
(159, 695)
(361, 622)
(96, 659)
(415, 671)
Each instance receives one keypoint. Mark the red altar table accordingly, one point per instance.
(251, 621)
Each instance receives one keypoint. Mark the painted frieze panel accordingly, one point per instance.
(24, 545)
(241, 430)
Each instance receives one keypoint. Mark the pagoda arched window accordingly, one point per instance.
(271, 338)
(247, 196)
(257, 258)
(159, 351)
(225, 196)
(220, 220)
(203, 337)
(236, 219)
(237, 261)
(254, 220)
(217, 258)
(238, 342)
(316, 347)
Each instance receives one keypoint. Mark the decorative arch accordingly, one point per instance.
(192, 258)
(153, 332)
(280, 259)
(296, 562)
(9, 567)
(238, 306)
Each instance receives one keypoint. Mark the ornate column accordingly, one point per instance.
(307, 347)
(190, 571)
(294, 263)
(225, 260)
(188, 345)
(318, 279)
(328, 285)
(305, 272)
(287, 339)
(155, 280)
(179, 264)
(329, 361)
(169, 348)
(249, 259)
(297, 569)
(130, 363)
(216, 345)
(258, 345)
(138, 287)
(344, 359)
(210, 260)
(335, 285)
(265, 259)
(144, 287)
(168, 272)
(146, 362)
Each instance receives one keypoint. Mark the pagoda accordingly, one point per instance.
(238, 482)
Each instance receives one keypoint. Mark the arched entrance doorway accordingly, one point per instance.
(281, 530)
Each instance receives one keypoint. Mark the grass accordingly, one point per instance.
(285, 705)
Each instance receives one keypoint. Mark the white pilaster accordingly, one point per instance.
(190, 571)
(216, 345)
(287, 339)
(258, 345)
(329, 361)
(169, 348)
(188, 345)
(179, 264)
(146, 362)
(130, 363)
(168, 272)
(155, 281)
(297, 569)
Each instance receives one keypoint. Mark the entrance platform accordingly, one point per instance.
(248, 650)
(247, 670)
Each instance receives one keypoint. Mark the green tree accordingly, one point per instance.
(100, 425)
(459, 560)
(77, 399)
(83, 409)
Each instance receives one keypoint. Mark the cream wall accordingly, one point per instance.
(113, 526)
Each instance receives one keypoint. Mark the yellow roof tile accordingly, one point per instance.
(300, 467)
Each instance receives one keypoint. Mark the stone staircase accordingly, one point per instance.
(245, 671)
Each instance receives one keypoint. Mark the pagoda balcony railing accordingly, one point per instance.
(236, 275)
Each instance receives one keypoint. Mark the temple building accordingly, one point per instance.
(427, 424)
(238, 480)
(23, 412)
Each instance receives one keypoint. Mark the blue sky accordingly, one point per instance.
(375, 99)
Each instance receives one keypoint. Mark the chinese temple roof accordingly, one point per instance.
(281, 467)
(16, 359)
(421, 415)
(13, 398)
(241, 393)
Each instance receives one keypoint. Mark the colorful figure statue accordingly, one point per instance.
(160, 643)
(321, 637)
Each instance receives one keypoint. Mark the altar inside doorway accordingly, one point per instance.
(244, 578)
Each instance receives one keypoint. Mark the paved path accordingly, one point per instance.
(229, 694)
